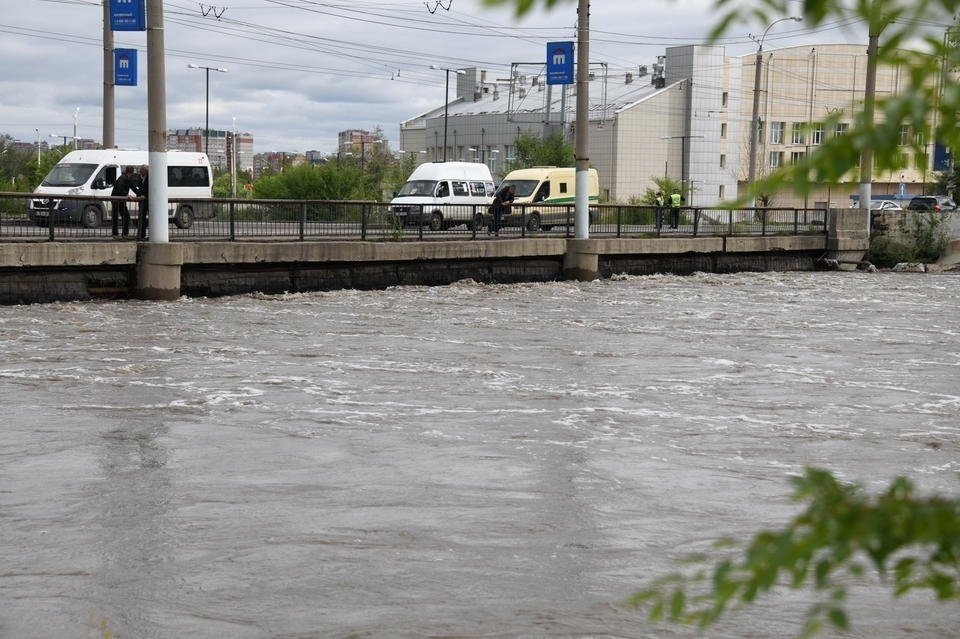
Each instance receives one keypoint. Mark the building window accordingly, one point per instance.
(920, 161)
(723, 100)
(723, 161)
(776, 132)
(723, 192)
(776, 159)
(904, 134)
(796, 133)
(723, 130)
(796, 156)
(816, 135)
(842, 128)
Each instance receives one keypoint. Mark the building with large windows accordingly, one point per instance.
(687, 117)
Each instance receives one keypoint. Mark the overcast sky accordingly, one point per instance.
(299, 71)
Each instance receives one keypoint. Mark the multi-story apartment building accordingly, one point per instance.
(220, 145)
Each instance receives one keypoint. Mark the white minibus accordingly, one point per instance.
(93, 172)
(444, 194)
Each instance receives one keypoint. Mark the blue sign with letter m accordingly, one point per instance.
(560, 63)
(128, 15)
(125, 67)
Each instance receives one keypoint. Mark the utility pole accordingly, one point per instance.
(869, 105)
(109, 131)
(157, 122)
(581, 203)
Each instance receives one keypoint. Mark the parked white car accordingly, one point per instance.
(885, 205)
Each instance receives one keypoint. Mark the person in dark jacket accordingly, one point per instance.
(143, 190)
(121, 188)
(501, 205)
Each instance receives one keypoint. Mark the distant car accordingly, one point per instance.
(885, 205)
(932, 203)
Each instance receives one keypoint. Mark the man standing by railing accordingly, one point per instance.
(143, 190)
(121, 188)
(501, 205)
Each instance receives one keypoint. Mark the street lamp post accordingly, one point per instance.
(206, 129)
(755, 119)
(446, 103)
(683, 161)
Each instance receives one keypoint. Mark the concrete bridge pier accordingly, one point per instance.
(581, 261)
(158, 271)
(848, 237)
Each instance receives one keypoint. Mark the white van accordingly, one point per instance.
(94, 172)
(444, 194)
(545, 196)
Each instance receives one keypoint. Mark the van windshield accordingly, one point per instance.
(69, 175)
(417, 188)
(524, 187)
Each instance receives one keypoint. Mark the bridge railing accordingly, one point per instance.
(66, 217)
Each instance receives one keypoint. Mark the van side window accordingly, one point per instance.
(443, 190)
(460, 188)
(477, 188)
(187, 176)
(491, 189)
(108, 175)
(543, 192)
(563, 187)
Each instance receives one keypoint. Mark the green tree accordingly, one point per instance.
(530, 151)
(665, 185)
(328, 181)
(913, 543)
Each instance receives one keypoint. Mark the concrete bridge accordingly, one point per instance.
(33, 272)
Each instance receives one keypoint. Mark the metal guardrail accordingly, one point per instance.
(25, 216)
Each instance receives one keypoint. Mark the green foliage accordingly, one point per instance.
(665, 185)
(923, 238)
(532, 151)
(329, 181)
(913, 542)
(928, 230)
(886, 251)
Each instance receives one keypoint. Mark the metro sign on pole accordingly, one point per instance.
(560, 63)
(125, 67)
(128, 15)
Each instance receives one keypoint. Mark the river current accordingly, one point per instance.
(463, 461)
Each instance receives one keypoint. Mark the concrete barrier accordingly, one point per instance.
(48, 271)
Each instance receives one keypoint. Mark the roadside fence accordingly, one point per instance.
(25, 216)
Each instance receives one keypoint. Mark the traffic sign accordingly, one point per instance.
(128, 15)
(125, 67)
(560, 63)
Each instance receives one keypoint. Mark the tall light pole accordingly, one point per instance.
(684, 190)
(446, 103)
(755, 119)
(206, 128)
(38, 146)
(76, 119)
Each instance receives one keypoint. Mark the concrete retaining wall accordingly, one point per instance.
(59, 271)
